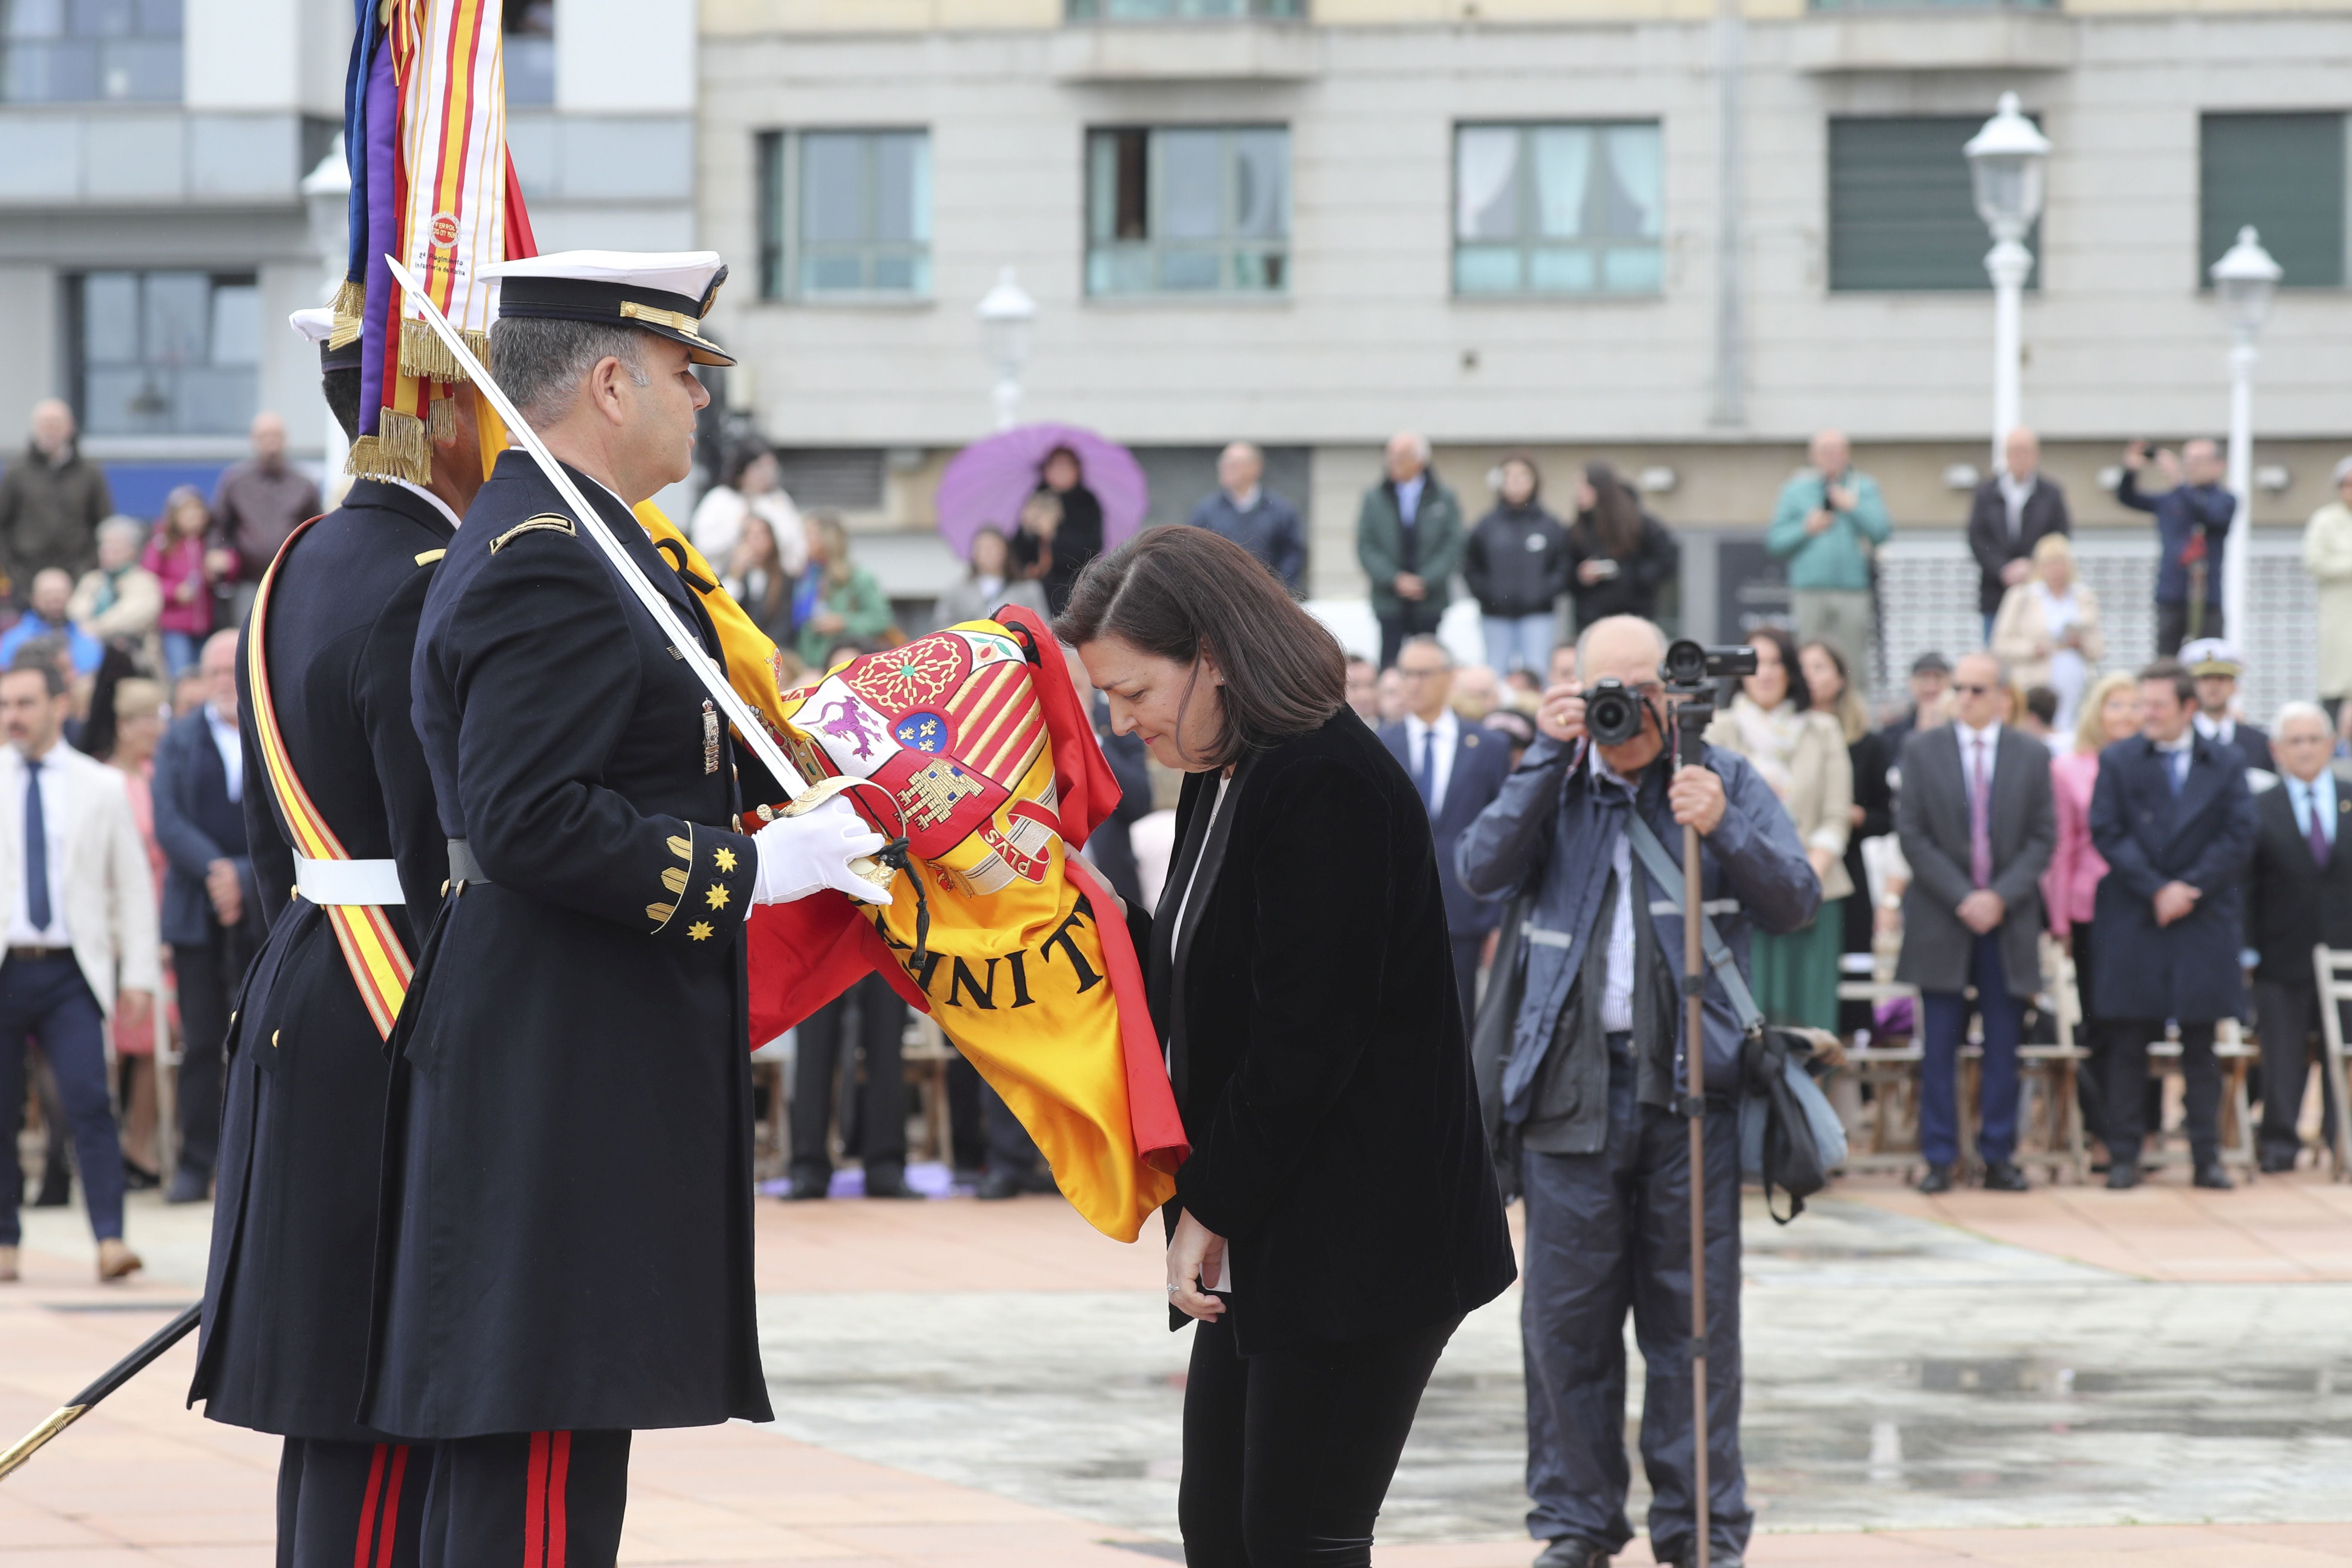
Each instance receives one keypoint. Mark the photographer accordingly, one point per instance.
(1580, 1106)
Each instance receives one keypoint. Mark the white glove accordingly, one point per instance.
(799, 854)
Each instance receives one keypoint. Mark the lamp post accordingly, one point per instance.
(326, 201)
(2244, 277)
(2005, 165)
(1005, 313)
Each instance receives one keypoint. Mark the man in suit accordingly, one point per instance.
(1976, 825)
(1459, 768)
(2007, 517)
(81, 943)
(2215, 664)
(2298, 896)
(2173, 819)
(212, 909)
(1245, 512)
(1409, 540)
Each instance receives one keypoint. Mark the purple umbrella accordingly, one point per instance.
(985, 483)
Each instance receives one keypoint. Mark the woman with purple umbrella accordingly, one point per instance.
(1055, 555)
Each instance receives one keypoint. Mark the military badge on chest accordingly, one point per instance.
(710, 736)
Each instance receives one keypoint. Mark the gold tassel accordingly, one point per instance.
(423, 355)
(398, 451)
(350, 313)
(441, 419)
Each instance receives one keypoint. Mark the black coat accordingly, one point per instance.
(2254, 746)
(1634, 590)
(2293, 904)
(1870, 759)
(1315, 1043)
(1078, 540)
(1111, 846)
(286, 1295)
(2044, 512)
(1516, 562)
(2187, 970)
(566, 1239)
(195, 825)
(1482, 761)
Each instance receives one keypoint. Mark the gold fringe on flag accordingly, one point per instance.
(441, 419)
(399, 451)
(351, 310)
(425, 357)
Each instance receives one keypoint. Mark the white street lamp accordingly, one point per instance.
(1005, 313)
(2005, 165)
(326, 201)
(2244, 277)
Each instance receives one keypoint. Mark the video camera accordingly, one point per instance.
(1613, 711)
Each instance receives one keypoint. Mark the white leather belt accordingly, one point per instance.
(349, 881)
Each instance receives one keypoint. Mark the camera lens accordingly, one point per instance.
(1686, 663)
(1612, 715)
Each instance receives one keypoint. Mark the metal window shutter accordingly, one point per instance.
(1902, 214)
(2284, 175)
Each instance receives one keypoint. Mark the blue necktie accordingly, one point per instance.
(36, 850)
(1424, 776)
(2176, 771)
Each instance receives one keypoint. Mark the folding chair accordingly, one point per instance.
(2330, 966)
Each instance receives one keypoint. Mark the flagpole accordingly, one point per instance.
(684, 641)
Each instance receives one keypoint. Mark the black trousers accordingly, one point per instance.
(2289, 1014)
(350, 1505)
(2125, 1069)
(539, 1500)
(864, 1021)
(1410, 620)
(2173, 625)
(1609, 1233)
(967, 1138)
(207, 976)
(1010, 1148)
(1289, 1453)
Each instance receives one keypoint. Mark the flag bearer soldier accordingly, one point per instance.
(348, 852)
(567, 1247)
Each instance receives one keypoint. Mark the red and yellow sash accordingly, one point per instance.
(380, 966)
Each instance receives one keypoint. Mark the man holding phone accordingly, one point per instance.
(2193, 514)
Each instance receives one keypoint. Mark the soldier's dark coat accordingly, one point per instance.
(567, 1226)
(284, 1333)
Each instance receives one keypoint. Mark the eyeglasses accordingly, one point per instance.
(1424, 674)
(1966, 689)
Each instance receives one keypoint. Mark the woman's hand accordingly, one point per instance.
(1195, 1257)
(827, 622)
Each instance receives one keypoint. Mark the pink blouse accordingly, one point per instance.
(2070, 887)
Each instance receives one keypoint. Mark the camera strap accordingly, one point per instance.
(1669, 878)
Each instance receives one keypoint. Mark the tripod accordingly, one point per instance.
(1693, 710)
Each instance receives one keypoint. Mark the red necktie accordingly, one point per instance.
(1980, 821)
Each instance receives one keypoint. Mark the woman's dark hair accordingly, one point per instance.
(1527, 461)
(971, 556)
(739, 460)
(1047, 461)
(1185, 593)
(1786, 646)
(116, 666)
(1614, 520)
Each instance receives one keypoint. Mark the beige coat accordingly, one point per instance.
(2021, 633)
(110, 889)
(1809, 768)
(138, 602)
(2327, 556)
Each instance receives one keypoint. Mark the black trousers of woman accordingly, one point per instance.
(827, 1041)
(1289, 1453)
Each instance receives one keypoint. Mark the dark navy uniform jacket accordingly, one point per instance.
(287, 1292)
(566, 1240)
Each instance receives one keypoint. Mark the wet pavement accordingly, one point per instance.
(1901, 1375)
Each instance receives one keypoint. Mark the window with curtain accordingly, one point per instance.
(1187, 210)
(165, 353)
(1903, 209)
(1558, 209)
(2283, 174)
(845, 214)
(90, 51)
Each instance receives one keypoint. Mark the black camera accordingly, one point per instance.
(1612, 713)
(1690, 664)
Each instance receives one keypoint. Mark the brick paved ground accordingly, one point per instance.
(144, 1481)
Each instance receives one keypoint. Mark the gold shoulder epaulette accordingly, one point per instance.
(553, 522)
(428, 557)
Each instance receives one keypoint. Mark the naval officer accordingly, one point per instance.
(566, 1251)
(349, 855)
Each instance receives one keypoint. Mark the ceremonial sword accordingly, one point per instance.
(114, 1377)
(684, 641)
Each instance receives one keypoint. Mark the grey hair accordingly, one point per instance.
(1584, 638)
(1424, 640)
(2300, 709)
(1999, 665)
(541, 360)
(1420, 443)
(125, 527)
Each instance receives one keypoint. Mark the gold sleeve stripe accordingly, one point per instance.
(674, 880)
(660, 913)
(428, 557)
(682, 847)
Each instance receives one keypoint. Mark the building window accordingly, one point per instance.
(88, 51)
(164, 353)
(1903, 215)
(1557, 209)
(2283, 174)
(845, 214)
(1180, 10)
(1191, 210)
(529, 53)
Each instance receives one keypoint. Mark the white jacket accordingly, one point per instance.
(110, 889)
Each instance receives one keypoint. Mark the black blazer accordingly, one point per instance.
(2291, 904)
(1316, 1042)
(2044, 512)
(1482, 761)
(197, 823)
(2187, 970)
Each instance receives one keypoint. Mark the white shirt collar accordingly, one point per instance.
(213, 717)
(1445, 725)
(438, 504)
(1989, 735)
(2213, 729)
(2187, 738)
(1247, 500)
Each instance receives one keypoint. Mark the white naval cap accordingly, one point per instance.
(317, 325)
(664, 292)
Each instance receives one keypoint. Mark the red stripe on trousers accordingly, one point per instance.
(559, 1505)
(534, 1505)
(392, 1506)
(367, 1510)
